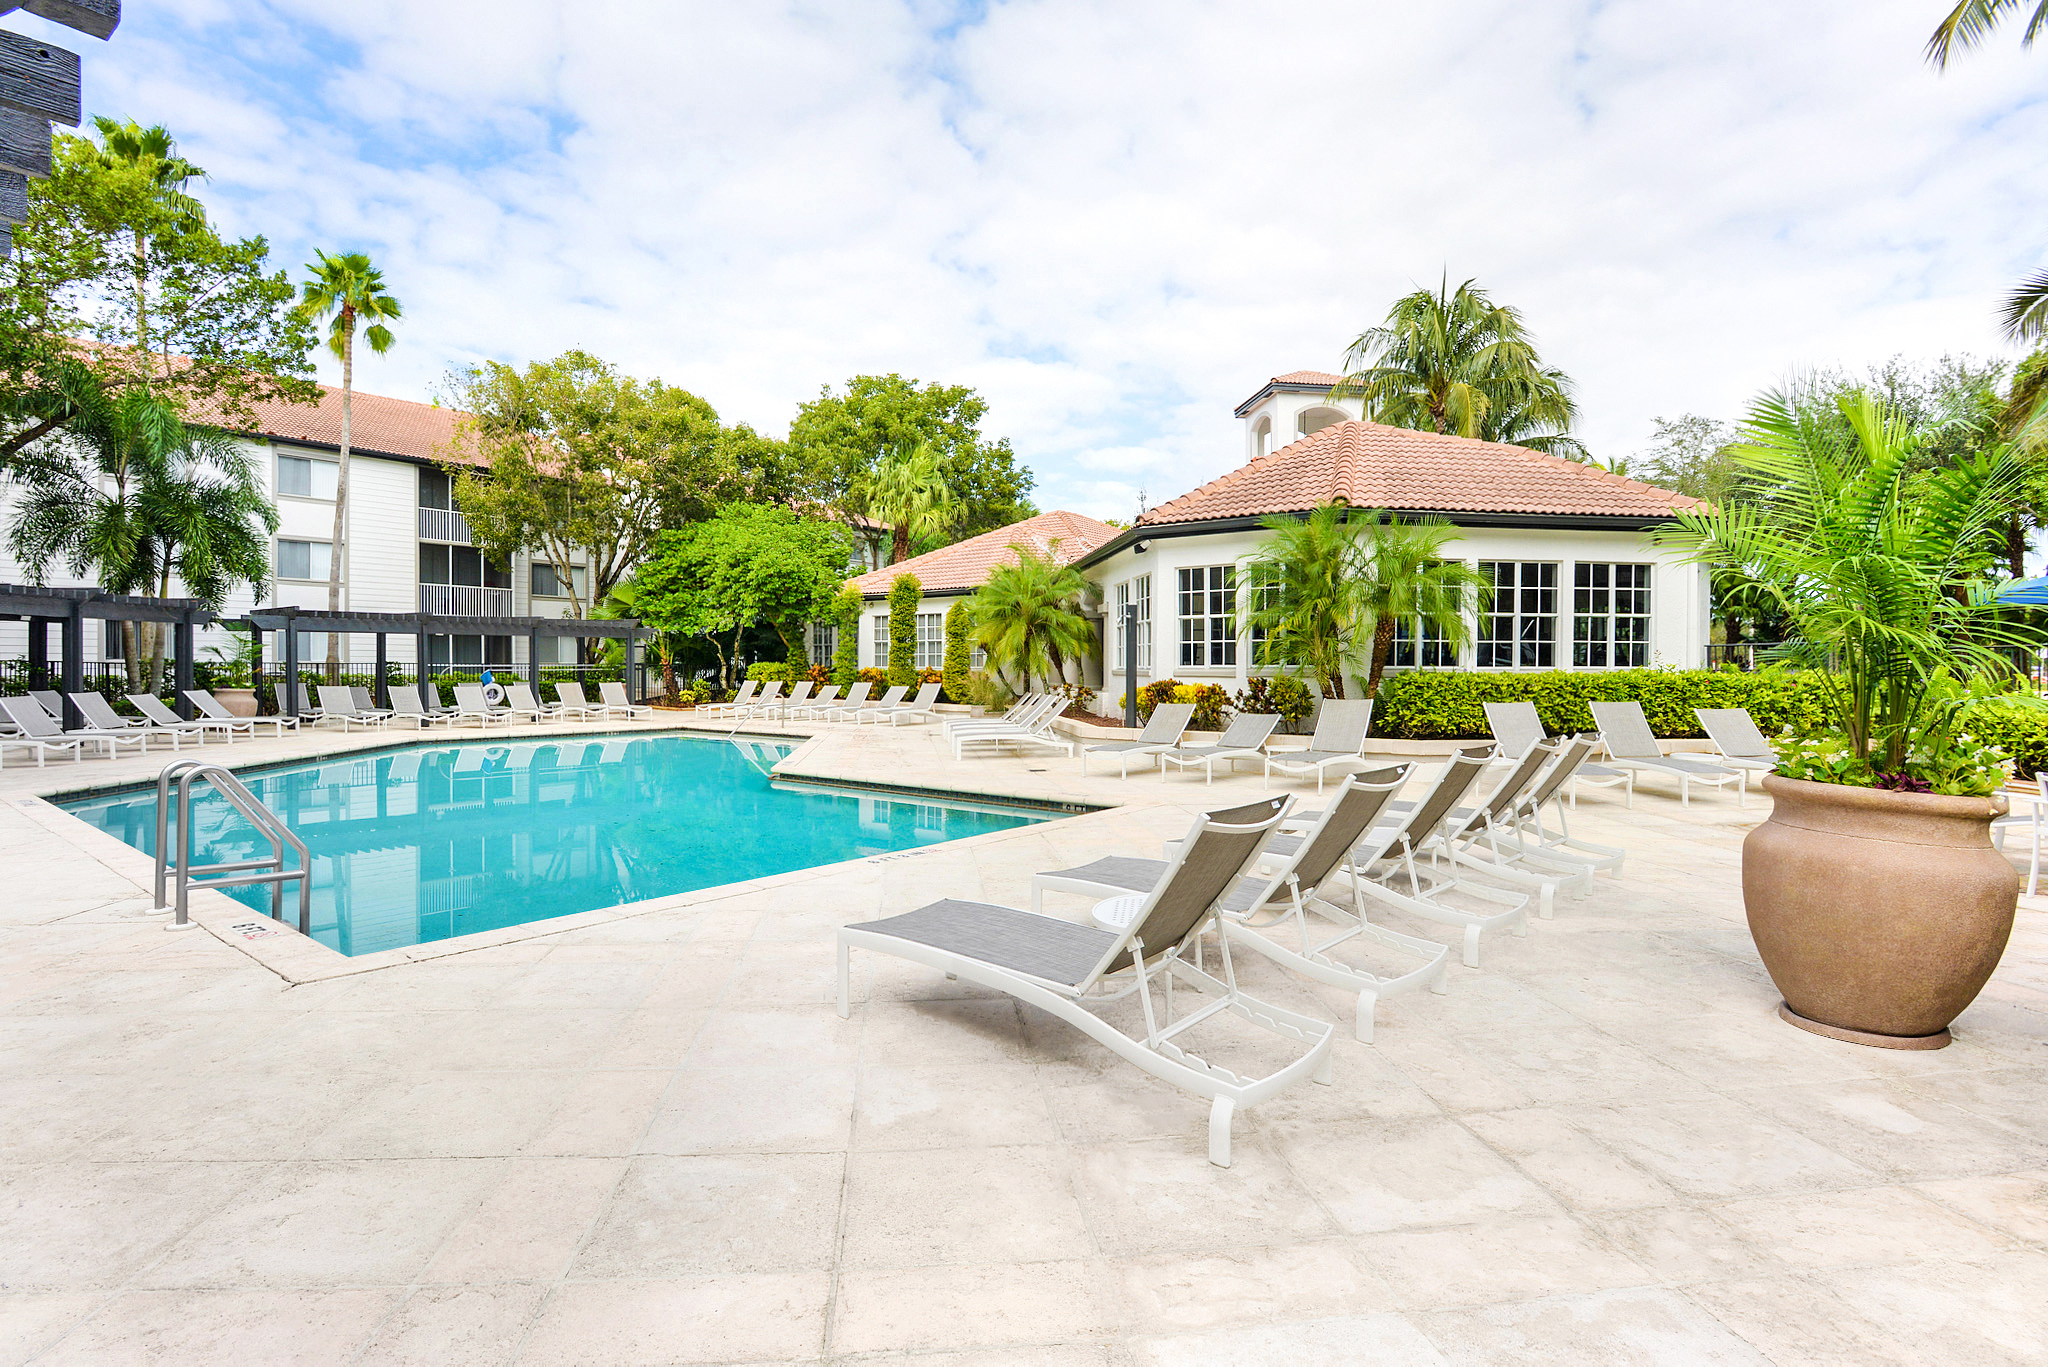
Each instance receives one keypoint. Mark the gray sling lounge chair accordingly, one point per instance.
(1162, 733)
(161, 717)
(51, 701)
(848, 708)
(34, 724)
(405, 706)
(1061, 967)
(890, 700)
(42, 736)
(1631, 745)
(100, 715)
(1244, 738)
(1739, 743)
(338, 703)
(1516, 728)
(1032, 726)
(1282, 897)
(211, 709)
(1341, 727)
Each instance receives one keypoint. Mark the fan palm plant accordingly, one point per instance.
(1031, 618)
(1454, 361)
(350, 290)
(908, 491)
(1876, 576)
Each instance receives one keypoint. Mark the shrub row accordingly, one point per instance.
(1449, 706)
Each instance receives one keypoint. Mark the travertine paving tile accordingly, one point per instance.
(754, 1317)
(2016, 1204)
(914, 1208)
(674, 1217)
(1632, 1327)
(292, 1327)
(1500, 1260)
(1377, 1176)
(1165, 1194)
(455, 1326)
(1870, 1226)
(982, 1305)
(1381, 1340)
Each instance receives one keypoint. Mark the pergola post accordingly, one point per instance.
(379, 691)
(38, 652)
(290, 705)
(74, 665)
(533, 661)
(632, 667)
(181, 667)
(432, 700)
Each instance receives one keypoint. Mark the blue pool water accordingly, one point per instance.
(436, 841)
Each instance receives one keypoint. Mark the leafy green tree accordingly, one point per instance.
(841, 438)
(907, 491)
(750, 561)
(1876, 574)
(138, 499)
(578, 464)
(347, 290)
(904, 592)
(959, 650)
(118, 280)
(846, 609)
(1032, 617)
(1404, 576)
(1456, 362)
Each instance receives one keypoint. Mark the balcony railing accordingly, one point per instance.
(464, 600)
(444, 524)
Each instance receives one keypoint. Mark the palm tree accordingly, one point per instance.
(1300, 590)
(153, 153)
(1456, 362)
(1876, 575)
(136, 497)
(1971, 22)
(1032, 617)
(907, 490)
(350, 289)
(1403, 576)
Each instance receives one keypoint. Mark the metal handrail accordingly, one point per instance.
(236, 873)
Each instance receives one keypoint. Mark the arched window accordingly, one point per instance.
(1262, 436)
(1314, 420)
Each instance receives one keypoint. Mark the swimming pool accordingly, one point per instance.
(435, 841)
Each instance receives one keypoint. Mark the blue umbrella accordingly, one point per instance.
(2024, 593)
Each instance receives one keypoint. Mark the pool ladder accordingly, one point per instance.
(185, 772)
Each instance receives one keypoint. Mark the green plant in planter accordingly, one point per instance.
(1877, 570)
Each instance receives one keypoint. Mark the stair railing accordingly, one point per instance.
(238, 873)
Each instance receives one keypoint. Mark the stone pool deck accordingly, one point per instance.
(649, 1138)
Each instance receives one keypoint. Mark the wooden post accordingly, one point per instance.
(74, 664)
(38, 652)
(380, 692)
(289, 704)
(181, 668)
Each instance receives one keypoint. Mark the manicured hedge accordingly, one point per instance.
(1448, 706)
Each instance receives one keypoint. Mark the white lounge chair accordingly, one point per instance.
(1061, 967)
(471, 705)
(770, 691)
(741, 700)
(2036, 798)
(366, 701)
(818, 704)
(100, 716)
(849, 708)
(798, 696)
(51, 701)
(918, 709)
(41, 736)
(1014, 713)
(1244, 738)
(406, 706)
(889, 702)
(34, 724)
(1035, 727)
(1169, 721)
(1539, 846)
(1625, 733)
(1339, 740)
(338, 703)
(1516, 729)
(615, 700)
(1280, 896)
(159, 715)
(210, 708)
(571, 703)
(520, 702)
(1738, 742)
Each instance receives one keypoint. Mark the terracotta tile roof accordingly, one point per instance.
(379, 426)
(1316, 377)
(964, 565)
(1368, 465)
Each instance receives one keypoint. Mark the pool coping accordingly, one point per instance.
(279, 947)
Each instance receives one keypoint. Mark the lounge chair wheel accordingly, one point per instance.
(1219, 1131)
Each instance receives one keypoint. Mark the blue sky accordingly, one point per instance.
(1114, 219)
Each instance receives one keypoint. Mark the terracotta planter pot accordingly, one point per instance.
(1880, 915)
(239, 702)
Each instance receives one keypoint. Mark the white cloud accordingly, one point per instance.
(1115, 219)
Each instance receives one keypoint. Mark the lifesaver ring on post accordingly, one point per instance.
(493, 694)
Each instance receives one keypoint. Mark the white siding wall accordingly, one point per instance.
(878, 610)
(383, 528)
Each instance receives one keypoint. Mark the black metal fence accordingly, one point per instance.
(109, 679)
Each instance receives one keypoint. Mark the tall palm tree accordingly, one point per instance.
(1403, 576)
(350, 290)
(1032, 617)
(136, 497)
(1454, 361)
(908, 491)
(152, 152)
(1300, 590)
(1971, 22)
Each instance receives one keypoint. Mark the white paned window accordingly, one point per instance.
(1208, 616)
(824, 640)
(931, 640)
(1611, 616)
(1518, 615)
(547, 581)
(1136, 592)
(1264, 582)
(302, 477)
(882, 641)
(1437, 653)
(304, 559)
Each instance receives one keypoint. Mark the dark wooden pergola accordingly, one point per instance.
(70, 609)
(292, 621)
